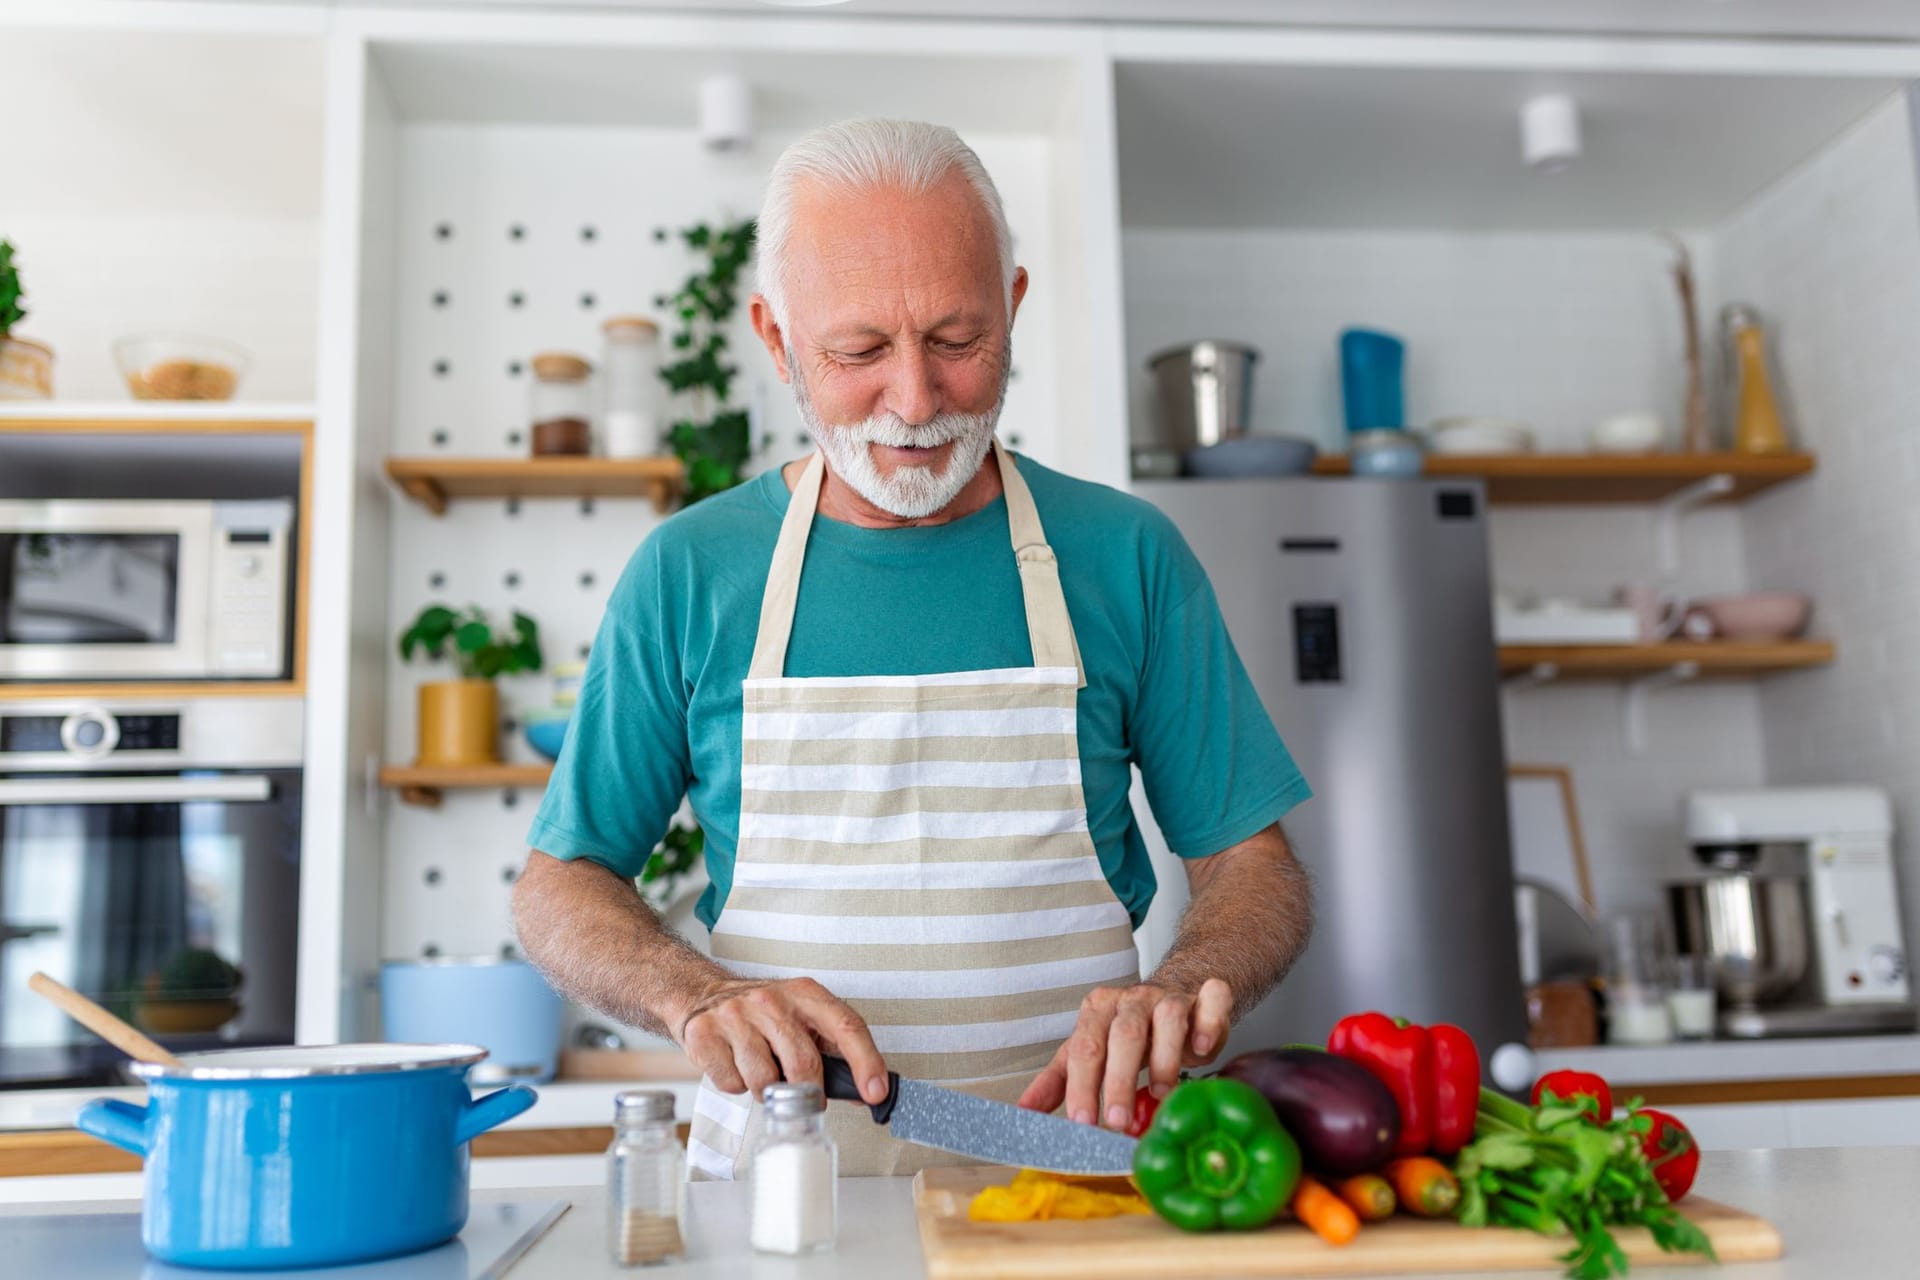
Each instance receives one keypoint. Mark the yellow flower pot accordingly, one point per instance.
(26, 370)
(459, 722)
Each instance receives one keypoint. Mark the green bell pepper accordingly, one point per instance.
(1216, 1156)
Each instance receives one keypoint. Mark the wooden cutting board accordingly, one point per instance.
(959, 1249)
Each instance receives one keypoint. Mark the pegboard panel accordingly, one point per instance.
(514, 240)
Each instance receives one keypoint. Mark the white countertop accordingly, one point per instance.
(1741, 1059)
(1844, 1213)
(563, 1105)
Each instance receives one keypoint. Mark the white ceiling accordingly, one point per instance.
(1239, 146)
(639, 88)
(1885, 19)
(103, 123)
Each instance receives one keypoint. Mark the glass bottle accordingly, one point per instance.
(795, 1173)
(1756, 415)
(561, 410)
(646, 1181)
(630, 375)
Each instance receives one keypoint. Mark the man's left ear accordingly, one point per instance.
(1019, 292)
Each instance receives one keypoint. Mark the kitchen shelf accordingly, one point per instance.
(1704, 658)
(1546, 478)
(184, 416)
(120, 691)
(434, 482)
(424, 784)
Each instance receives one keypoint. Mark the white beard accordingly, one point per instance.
(910, 492)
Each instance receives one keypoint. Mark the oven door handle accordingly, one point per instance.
(162, 790)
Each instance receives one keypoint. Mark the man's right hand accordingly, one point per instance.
(746, 1035)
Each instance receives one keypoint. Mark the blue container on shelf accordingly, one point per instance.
(547, 731)
(1370, 380)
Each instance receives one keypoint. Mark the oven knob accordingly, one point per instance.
(90, 733)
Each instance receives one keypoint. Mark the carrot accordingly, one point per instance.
(1370, 1195)
(1330, 1217)
(1426, 1186)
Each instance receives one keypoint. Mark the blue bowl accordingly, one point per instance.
(547, 736)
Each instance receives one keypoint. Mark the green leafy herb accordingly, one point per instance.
(1562, 1170)
(712, 448)
(478, 653)
(11, 312)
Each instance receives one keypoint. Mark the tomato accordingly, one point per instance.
(1144, 1106)
(1568, 1085)
(1674, 1154)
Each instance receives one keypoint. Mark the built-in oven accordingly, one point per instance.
(99, 589)
(150, 859)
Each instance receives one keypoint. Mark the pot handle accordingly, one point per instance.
(111, 1120)
(482, 1114)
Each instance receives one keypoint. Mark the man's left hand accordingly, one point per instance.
(1120, 1030)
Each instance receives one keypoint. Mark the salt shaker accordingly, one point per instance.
(795, 1173)
(646, 1180)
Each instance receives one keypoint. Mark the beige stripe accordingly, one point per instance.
(914, 957)
(993, 900)
(1056, 847)
(714, 1134)
(977, 750)
(799, 698)
(905, 800)
(1027, 1059)
(956, 1011)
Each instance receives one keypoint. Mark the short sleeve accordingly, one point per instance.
(1215, 769)
(625, 767)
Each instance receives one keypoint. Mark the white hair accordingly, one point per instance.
(855, 155)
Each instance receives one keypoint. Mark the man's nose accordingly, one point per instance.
(913, 392)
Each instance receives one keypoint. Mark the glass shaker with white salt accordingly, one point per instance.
(646, 1181)
(795, 1173)
(630, 380)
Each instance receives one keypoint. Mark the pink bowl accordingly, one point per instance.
(1760, 615)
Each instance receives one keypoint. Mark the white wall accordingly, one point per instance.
(1832, 257)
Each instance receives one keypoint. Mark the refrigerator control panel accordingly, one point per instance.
(1316, 643)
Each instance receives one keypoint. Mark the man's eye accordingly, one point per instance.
(955, 348)
(857, 356)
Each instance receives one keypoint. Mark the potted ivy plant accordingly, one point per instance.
(459, 721)
(26, 368)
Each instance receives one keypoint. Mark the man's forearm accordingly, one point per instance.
(602, 946)
(1247, 920)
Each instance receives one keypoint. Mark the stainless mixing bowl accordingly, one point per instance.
(1752, 929)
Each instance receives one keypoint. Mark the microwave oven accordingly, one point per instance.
(114, 590)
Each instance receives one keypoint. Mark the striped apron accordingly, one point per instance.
(919, 846)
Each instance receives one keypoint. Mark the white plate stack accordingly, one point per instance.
(1478, 434)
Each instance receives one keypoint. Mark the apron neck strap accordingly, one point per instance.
(1049, 628)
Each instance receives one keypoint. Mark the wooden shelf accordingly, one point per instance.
(1727, 658)
(134, 417)
(109, 691)
(436, 481)
(1542, 478)
(423, 784)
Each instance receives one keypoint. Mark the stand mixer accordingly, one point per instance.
(1796, 910)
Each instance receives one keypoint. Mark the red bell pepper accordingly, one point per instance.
(1432, 1072)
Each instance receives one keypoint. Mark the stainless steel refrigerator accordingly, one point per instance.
(1361, 608)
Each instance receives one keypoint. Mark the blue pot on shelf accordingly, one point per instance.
(306, 1156)
(547, 732)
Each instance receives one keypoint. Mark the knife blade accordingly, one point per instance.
(982, 1129)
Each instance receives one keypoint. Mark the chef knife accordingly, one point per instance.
(982, 1129)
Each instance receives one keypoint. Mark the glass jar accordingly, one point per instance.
(795, 1173)
(560, 407)
(646, 1181)
(630, 375)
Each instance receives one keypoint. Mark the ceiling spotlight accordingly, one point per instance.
(1550, 132)
(726, 113)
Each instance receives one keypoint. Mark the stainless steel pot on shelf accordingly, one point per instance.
(1206, 392)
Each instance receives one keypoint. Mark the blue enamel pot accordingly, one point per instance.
(306, 1156)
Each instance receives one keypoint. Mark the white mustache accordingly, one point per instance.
(895, 432)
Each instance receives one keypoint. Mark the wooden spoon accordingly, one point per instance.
(121, 1035)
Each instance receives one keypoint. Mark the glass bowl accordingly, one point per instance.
(166, 366)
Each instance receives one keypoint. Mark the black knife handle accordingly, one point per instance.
(841, 1086)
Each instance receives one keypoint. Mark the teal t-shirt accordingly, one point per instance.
(659, 710)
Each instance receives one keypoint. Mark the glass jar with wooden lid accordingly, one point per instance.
(561, 406)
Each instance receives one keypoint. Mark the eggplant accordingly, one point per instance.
(1345, 1121)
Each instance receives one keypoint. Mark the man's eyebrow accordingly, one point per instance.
(853, 333)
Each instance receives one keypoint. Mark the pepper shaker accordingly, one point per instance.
(646, 1181)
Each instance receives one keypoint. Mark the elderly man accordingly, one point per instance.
(903, 682)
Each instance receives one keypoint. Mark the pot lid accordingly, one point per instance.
(290, 1062)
